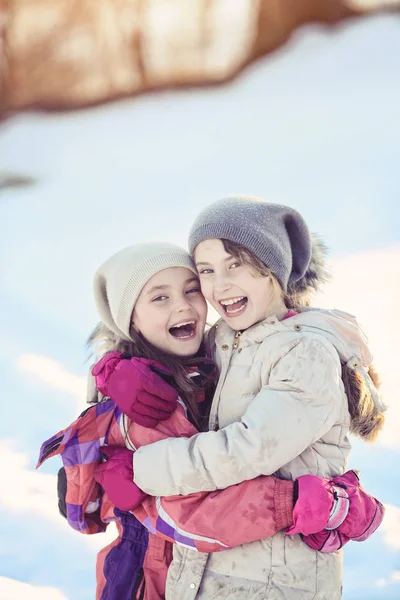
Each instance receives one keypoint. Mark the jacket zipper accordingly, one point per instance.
(236, 340)
(139, 587)
(213, 419)
(222, 376)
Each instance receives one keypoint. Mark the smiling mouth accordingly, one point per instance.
(184, 331)
(234, 306)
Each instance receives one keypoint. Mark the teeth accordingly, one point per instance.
(232, 301)
(182, 324)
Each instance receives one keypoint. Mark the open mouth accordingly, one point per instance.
(234, 306)
(184, 331)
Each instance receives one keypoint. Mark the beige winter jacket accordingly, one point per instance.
(280, 407)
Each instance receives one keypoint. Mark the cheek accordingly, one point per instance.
(207, 289)
(151, 323)
(201, 308)
(198, 303)
(262, 292)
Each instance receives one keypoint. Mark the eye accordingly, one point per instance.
(193, 291)
(159, 298)
(206, 271)
(235, 265)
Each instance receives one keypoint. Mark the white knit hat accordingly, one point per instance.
(121, 278)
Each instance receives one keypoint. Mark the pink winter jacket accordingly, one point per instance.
(205, 521)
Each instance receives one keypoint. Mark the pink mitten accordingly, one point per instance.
(135, 387)
(313, 506)
(116, 477)
(365, 514)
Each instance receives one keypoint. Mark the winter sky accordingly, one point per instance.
(316, 126)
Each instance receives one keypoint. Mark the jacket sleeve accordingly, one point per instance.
(58, 54)
(300, 403)
(214, 521)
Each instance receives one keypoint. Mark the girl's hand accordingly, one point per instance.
(116, 478)
(330, 512)
(135, 387)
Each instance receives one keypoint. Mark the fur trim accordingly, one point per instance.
(103, 340)
(366, 419)
(317, 272)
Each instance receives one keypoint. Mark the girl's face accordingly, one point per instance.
(171, 312)
(240, 297)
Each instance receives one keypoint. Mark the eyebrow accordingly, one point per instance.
(157, 288)
(207, 263)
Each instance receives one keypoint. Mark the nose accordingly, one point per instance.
(182, 304)
(221, 284)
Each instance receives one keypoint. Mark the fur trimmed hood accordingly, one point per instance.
(360, 379)
(317, 273)
(101, 341)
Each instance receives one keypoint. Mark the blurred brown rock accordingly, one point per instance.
(66, 54)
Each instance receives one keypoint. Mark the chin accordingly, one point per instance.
(239, 323)
(186, 354)
(188, 350)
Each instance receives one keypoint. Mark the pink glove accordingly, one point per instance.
(136, 388)
(330, 512)
(365, 514)
(116, 478)
(313, 506)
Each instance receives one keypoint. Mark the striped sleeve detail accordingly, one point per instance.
(166, 526)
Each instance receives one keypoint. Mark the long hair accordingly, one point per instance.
(102, 340)
(366, 420)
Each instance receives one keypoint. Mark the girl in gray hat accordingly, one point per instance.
(280, 407)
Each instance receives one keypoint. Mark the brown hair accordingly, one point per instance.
(366, 420)
(102, 340)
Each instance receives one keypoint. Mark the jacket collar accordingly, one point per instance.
(338, 327)
(253, 335)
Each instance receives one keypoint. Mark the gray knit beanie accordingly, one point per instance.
(277, 235)
(121, 278)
